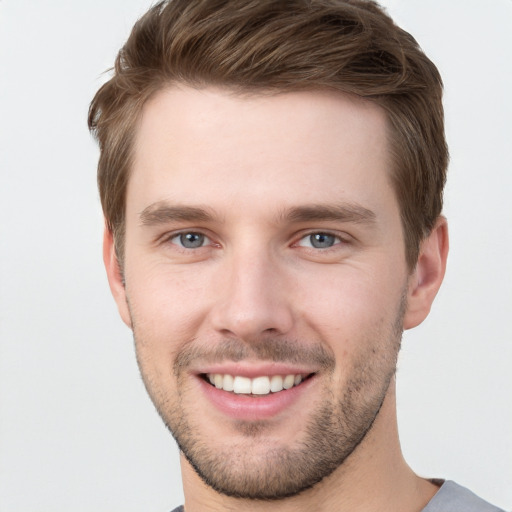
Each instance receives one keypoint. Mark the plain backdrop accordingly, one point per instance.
(77, 431)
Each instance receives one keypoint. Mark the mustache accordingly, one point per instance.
(269, 349)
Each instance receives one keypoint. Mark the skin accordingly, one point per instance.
(256, 175)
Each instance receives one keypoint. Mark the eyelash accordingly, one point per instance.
(207, 241)
(171, 237)
(338, 240)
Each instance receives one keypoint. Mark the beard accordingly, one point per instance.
(251, 464)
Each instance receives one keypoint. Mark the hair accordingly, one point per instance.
(351, 46)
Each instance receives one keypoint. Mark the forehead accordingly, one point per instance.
(211, 146)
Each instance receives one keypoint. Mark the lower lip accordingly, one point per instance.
(250, 407)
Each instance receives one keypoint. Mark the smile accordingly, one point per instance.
(263, 385)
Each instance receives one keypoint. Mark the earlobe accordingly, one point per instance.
(114, 275)
(426, 280)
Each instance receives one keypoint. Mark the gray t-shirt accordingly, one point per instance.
(451, 497)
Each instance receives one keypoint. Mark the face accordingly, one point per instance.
(266, 281)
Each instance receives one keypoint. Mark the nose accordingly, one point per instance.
(253, 298)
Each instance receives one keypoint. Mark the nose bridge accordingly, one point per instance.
(252, 298)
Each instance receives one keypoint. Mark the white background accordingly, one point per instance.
(77, 431)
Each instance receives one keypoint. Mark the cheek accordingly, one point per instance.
(166, 302)
(347, 299)
(355, 313)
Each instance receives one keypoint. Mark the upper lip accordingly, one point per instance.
(253, 370)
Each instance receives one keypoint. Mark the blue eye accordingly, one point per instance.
(190, 240)
(319, 241)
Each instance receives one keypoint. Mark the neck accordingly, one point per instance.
(374, 477)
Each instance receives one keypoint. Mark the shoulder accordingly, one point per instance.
(452, 497)
(178, 509)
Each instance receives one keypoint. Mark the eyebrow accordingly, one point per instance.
(162, 212)
(346, 212)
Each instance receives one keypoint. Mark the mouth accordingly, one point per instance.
(263, 385)
(252, 392)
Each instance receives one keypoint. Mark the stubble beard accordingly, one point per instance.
(336, 427)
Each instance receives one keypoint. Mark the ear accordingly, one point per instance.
(428, 275)
(115, 278)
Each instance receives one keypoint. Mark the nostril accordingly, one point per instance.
(248, 313)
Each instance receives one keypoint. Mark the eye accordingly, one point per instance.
(319, 241)
(190, 240)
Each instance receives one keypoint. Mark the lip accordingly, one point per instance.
(249, 407)
(252, 371)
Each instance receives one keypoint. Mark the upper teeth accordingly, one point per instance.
(257, 386)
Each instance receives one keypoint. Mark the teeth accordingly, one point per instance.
(228, 383)
(288, 381)
(242, 385)
(276, 383)
(258, 386)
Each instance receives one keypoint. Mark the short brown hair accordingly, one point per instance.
(351, 46)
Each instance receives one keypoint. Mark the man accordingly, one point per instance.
(271, 175)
